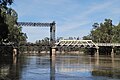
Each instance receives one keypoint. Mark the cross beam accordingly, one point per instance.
(34, 24)
(38, 24)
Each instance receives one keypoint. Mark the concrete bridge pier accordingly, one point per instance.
(14, 55)
(14, 52)
(52, 52)
(97, 52)
(112, 52)
(52, 62)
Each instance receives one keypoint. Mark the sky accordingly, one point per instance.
(74, 18)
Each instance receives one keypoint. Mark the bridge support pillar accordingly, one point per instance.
(97, 52)
(112, 52)
(14, 52)
(14, 55)
(52, 52)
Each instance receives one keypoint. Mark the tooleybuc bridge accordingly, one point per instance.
(74, 43)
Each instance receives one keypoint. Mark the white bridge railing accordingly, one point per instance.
(108, 44)
(79, 43)
(84, 43)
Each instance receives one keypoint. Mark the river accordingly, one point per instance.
(67, 67)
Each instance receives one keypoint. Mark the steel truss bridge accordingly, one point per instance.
(87, 44)
(76, 43)
(84, 43)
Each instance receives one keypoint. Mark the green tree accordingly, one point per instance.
(10, 31)
(43, 45)
(6, 2)
(102, 33)
(3, 26)
(105, 32)
(3, 31)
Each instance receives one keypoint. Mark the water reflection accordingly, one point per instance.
(8, 69)
(60, 68)
(107, 67)
(52, 67)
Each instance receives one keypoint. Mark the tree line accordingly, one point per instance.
(10, 33)
(105, 32)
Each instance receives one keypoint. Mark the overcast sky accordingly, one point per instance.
(74, 18)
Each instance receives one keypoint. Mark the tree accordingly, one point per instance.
(95, 25)
(3, 31)
(3, 26)
(102, 33)
(116, 34)
(106, 32)
(9, 30)
(16, 34)
(87, 37)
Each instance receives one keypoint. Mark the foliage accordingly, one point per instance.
(43, 45)
(9, 30)
(116, 32)
(40, 45)
(6, 2)
(15, 31)
(3, 31)
(104, 32)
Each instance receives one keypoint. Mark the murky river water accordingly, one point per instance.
(61, 68)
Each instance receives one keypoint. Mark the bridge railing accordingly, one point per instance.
(84, 43)
(79, 43)
(108, 44)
